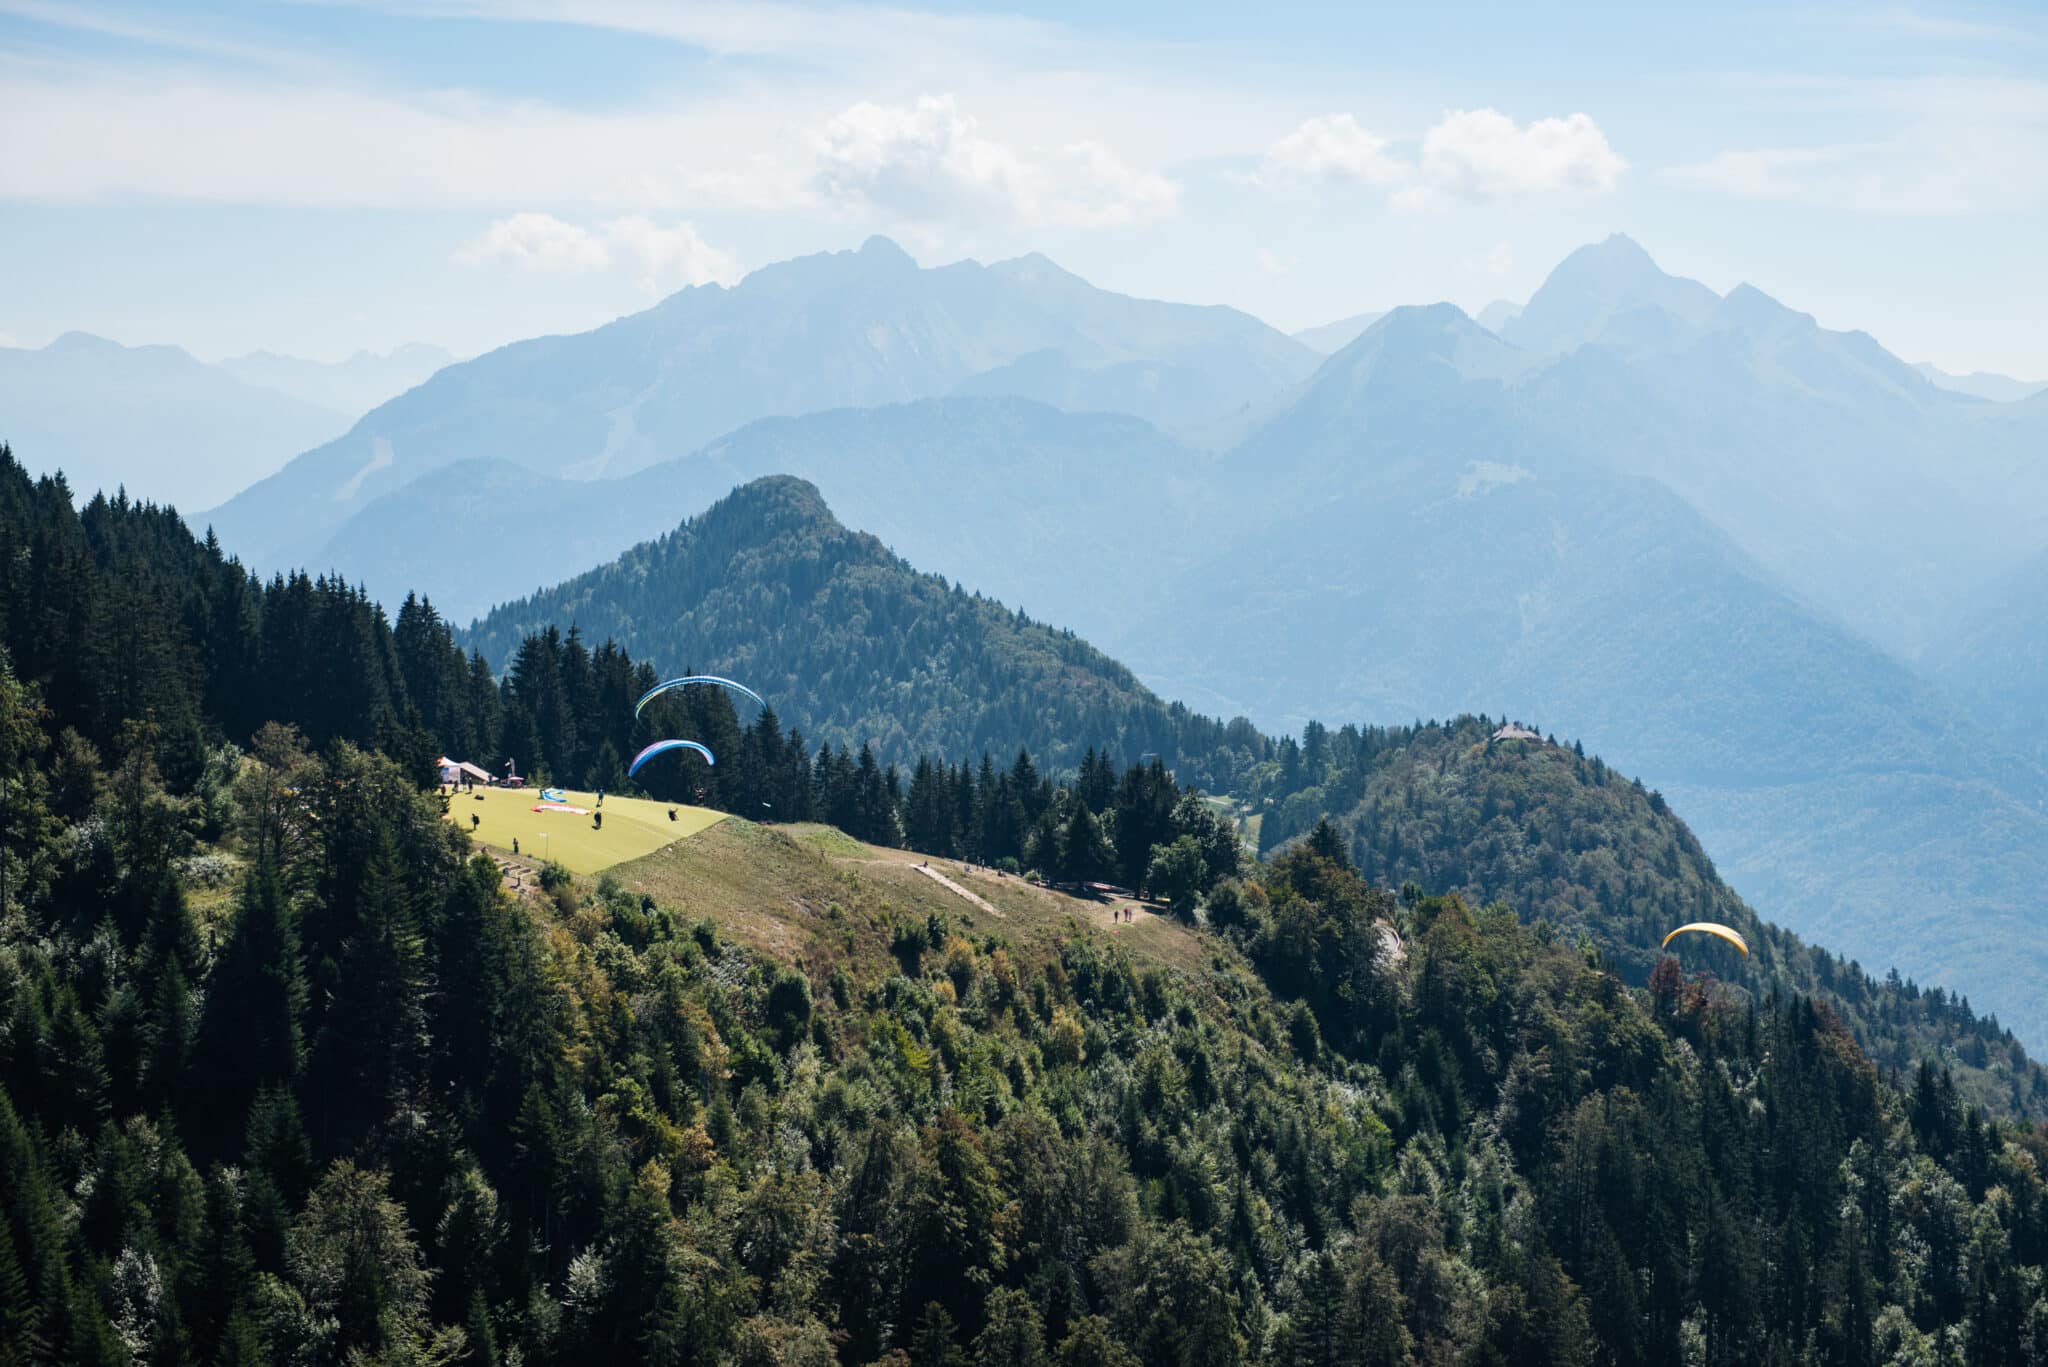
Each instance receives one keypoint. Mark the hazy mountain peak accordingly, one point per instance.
(1039, 269)
(78, 343)
(878, 258)
(884, 249)
(352, 386)
(1749, 307)
(1415, 320)
(1329, 338)
(1498, 314)
(1595, 284)
(1417, 335)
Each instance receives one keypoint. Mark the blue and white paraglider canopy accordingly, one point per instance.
(668, 684)
(663, 747)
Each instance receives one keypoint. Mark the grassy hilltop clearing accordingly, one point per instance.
(632, 826)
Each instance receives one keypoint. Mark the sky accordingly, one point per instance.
(318, 178)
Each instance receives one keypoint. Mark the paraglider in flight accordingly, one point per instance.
(662, 747)
(1713, 928)
(666, 685)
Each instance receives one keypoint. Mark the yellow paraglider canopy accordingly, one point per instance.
(1714, 928)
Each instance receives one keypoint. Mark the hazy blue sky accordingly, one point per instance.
(315, 178)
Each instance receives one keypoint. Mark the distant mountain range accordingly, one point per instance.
(170, 427)
(1497, 315)
(843, 329)
(1983, 384)
(1996, 658)
(1840, 468)
(174, 428)
(1333, 337)
(1336, 336)
(353, 386)
(941, 480)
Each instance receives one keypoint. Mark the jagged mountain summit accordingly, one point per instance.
(835, 330)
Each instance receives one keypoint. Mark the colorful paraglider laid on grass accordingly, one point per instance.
(1713, 928)
(687, 679)
(662, 747)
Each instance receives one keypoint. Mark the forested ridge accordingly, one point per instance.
(769, 587)
(287, 1075)
(1564, 839)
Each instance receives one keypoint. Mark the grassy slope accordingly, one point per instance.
(814, 896)
(633, 827)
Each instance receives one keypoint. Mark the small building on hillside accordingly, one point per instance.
(455, 772)
(1515, 731)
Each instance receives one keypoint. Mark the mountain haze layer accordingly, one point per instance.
(940, 481)
(352, 386)
(1444, 543)
(829, 331)
(1982, 384)
(155, 418)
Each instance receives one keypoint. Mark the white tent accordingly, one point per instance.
(453, 770)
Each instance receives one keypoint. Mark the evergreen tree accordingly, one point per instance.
(252, 1033)
(371, 1050)
(1086, 855)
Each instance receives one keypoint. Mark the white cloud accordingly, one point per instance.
(1483, 154)
(98, 138)
(1333, 147)
(662, 258)
(659, 258)
(1271, 263)
(1099, 190)
(538, 242)
(1501, 259)
(927, 162)
(1761, 172)
(1468, 155)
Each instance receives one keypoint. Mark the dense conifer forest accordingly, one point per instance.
(768, 586)
(289, 1075)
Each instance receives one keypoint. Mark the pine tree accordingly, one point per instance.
(256, 998)
(1086, 855)
(371, 1051)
